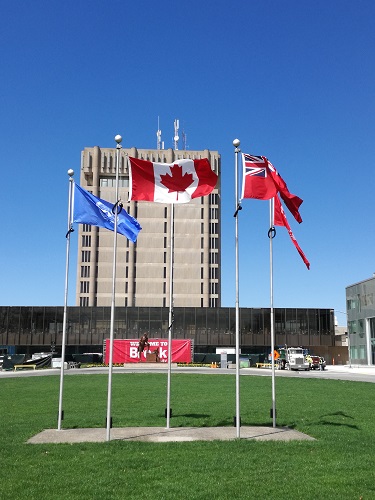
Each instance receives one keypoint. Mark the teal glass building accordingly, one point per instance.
(360, 305)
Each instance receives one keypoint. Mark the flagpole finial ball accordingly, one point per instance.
(70, 172)
(118, 139)
(236, 143)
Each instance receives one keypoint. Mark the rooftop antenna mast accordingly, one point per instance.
(160, 144)
(176, 137)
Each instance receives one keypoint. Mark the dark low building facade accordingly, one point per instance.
(28, 329)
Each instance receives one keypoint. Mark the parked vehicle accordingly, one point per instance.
(292, 358)
(317, 363)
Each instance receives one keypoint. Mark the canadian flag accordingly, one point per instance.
(176, 182)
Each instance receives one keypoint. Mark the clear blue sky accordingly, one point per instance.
(292, 79)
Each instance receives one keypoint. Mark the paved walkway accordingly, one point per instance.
(163, 435)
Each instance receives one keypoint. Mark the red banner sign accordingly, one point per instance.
(126, 351)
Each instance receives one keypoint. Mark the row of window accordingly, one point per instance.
(111, 182)
(213, 271)
(213, 228)
(108, 162)
(97, 319)
(85, 285)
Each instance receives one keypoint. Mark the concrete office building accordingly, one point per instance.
(360, 306)
(143, 269)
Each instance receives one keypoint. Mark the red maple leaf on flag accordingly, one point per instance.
(176, 182)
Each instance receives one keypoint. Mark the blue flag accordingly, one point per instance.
(88, 209)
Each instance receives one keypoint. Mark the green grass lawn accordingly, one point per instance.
(338, 465)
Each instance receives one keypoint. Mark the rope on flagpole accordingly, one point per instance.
(272, 232)
(117, 207)
(172, 321)
(239, 207)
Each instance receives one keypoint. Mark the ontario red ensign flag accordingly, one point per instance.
(257, 181)
(262, 181)
(177, 182)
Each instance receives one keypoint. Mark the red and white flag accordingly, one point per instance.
(176, 182)
(281, 220)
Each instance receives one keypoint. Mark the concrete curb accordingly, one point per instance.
(163, 435)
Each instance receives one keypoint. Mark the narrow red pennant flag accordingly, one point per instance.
(178, 182)
(292, 201)
(281, 220)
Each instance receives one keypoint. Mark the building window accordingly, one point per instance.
(85, 287)
(86, 240)
(84, 301)
(214, 258)
(213, 199)
(213, 273)
(85, 271)
(213, 228)
(86, 256)
(213, 213)
(213, 243)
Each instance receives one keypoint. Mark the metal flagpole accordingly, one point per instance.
(271, 235)
(168, 410)
(63, 342)
(118, 139)
(237, 150)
